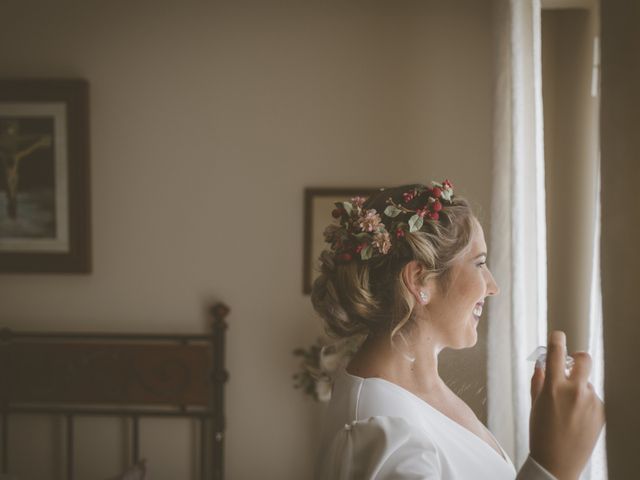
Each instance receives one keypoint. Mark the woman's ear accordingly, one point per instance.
(411, 275)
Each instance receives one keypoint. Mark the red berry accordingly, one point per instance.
(436, 192)
(421, 212)
(437, 206)
(399, 233)
(336, 213)
(434, 216)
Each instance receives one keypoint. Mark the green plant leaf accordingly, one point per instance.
(415, 223)
(366, 253)
(392, 211)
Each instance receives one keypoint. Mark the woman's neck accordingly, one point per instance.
(378, 358)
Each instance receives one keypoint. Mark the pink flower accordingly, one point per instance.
(447, 185)
(382, 242)
(421, 212)
(358, 201)
(369, 221)
(408, 196)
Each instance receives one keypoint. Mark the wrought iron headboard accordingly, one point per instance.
(123, 375)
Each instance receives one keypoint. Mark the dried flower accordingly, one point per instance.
(330, 233)
(364, 234)
(370, 221)
(382, 242)
(358, 201)
(319, 364)
(408, 196)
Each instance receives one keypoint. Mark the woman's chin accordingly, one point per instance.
(473, 342)
(468, 342)
(473, 338)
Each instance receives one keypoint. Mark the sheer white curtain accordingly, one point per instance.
(517, 322)
(597, 467)
(518, 251)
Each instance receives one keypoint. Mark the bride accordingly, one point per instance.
(407, 270)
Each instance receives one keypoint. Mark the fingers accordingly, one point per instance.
(537, 382)
(581, 367)
(556, 352)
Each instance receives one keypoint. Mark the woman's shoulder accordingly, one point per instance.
(379, 407)
(380, 446)
(356, 398)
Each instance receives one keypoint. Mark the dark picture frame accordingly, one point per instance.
(44, 176)
(318, 204)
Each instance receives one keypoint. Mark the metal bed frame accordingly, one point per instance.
(122, 375)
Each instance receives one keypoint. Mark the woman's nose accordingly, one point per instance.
(492, 286)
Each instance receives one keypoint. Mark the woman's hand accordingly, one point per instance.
(566, 414)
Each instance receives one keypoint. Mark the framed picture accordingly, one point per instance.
(44, 176)
(318, 204)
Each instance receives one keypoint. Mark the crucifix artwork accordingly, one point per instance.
(15, 148)
(45, 206)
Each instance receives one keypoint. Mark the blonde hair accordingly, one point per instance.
(364, 297)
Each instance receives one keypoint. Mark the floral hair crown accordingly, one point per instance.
(364, 233)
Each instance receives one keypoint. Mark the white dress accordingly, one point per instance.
(375, 429)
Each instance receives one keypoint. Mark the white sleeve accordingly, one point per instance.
(380, 448)
(532, 470)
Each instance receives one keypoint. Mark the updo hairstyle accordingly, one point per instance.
(370, 297)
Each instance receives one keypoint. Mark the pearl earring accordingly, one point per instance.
(423, 296)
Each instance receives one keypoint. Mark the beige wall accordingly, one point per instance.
(208, 119)
(621, 230)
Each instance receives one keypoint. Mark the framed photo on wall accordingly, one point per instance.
(318, 205)
(44, 176)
